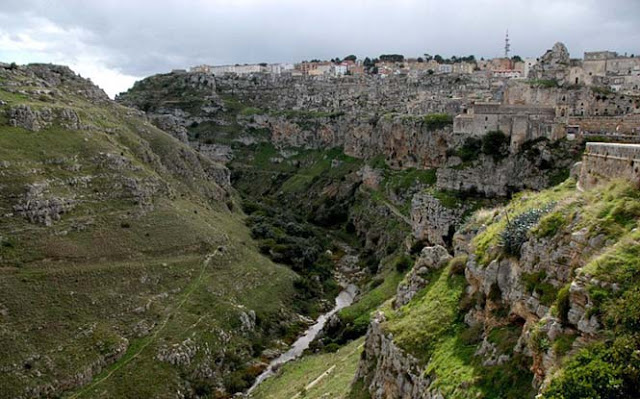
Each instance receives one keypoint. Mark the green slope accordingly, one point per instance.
(111, 294)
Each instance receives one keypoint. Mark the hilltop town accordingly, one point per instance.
(620, 73)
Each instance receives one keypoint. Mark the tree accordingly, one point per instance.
(367, 62)
(428, 57)
(516, 58)
(420, 59)
(351, 57)
(438, 58)
(392, 57)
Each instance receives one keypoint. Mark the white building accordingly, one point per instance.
(507, 73)
(340, 69)
(445, 68)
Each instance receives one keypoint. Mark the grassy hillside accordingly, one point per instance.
(326, 375)
(598, 364)
(126, 270)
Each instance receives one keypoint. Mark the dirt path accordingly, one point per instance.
(127, 358)
(397, 212)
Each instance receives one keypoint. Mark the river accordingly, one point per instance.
(344, 299)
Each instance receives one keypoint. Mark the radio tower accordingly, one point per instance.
(507, 45)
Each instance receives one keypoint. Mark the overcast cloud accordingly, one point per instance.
(115, 42)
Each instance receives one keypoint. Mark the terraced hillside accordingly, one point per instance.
(126, 269)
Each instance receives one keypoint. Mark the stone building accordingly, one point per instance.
(520, 122)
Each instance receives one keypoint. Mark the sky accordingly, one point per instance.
(116, 42)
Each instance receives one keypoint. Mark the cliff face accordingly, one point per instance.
(534, 286)
(404, 121)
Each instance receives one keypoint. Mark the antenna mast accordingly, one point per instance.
(507, 45)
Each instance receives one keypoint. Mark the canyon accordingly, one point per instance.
(198, 224)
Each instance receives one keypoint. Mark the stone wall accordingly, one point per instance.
(606, 161)
(624, 124)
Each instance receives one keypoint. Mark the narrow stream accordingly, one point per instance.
(344, 299)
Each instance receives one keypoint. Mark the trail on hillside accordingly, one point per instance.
(397, 212)
(126, 358)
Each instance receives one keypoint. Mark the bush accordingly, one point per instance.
(550, 225)
(495, 144)
(437, 121)
(403, 263)
(458, 264)
(609, 370)
(470, 150)
(563, 304)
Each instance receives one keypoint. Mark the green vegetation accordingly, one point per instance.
(355, 318)
(437, 121)
(431, 317)
(294, 377)
(430, 328)
(608, 366)
(486, 243)
(150, 259)
(602, 90)
(290, 241)
(470, 149)
(546, 83)
(495, 144)
(516, 232)
(535, 282)
(403, 263)
(550, 224)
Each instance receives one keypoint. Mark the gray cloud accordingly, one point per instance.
(139, 38)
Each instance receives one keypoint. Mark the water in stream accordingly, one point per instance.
(344, 299)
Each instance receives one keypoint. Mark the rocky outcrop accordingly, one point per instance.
(388, 372)
(172, 125)
(531, 168)
(553, 65)
(431, 258)
(433, 222)
(31, 119)
(25, 117)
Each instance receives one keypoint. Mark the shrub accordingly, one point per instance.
(538, 340)
(403, 263)
(458, 265)
(470, 150)
(604, 370)
(562, 344)
(437, 121)
(495, 144)
(550, 225)
(563, 304)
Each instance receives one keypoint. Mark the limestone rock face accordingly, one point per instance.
(431, 258)
(23, 116)
(553, 65)
(388, 371)
(172, 125)
(371, 178)
(433, 222)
